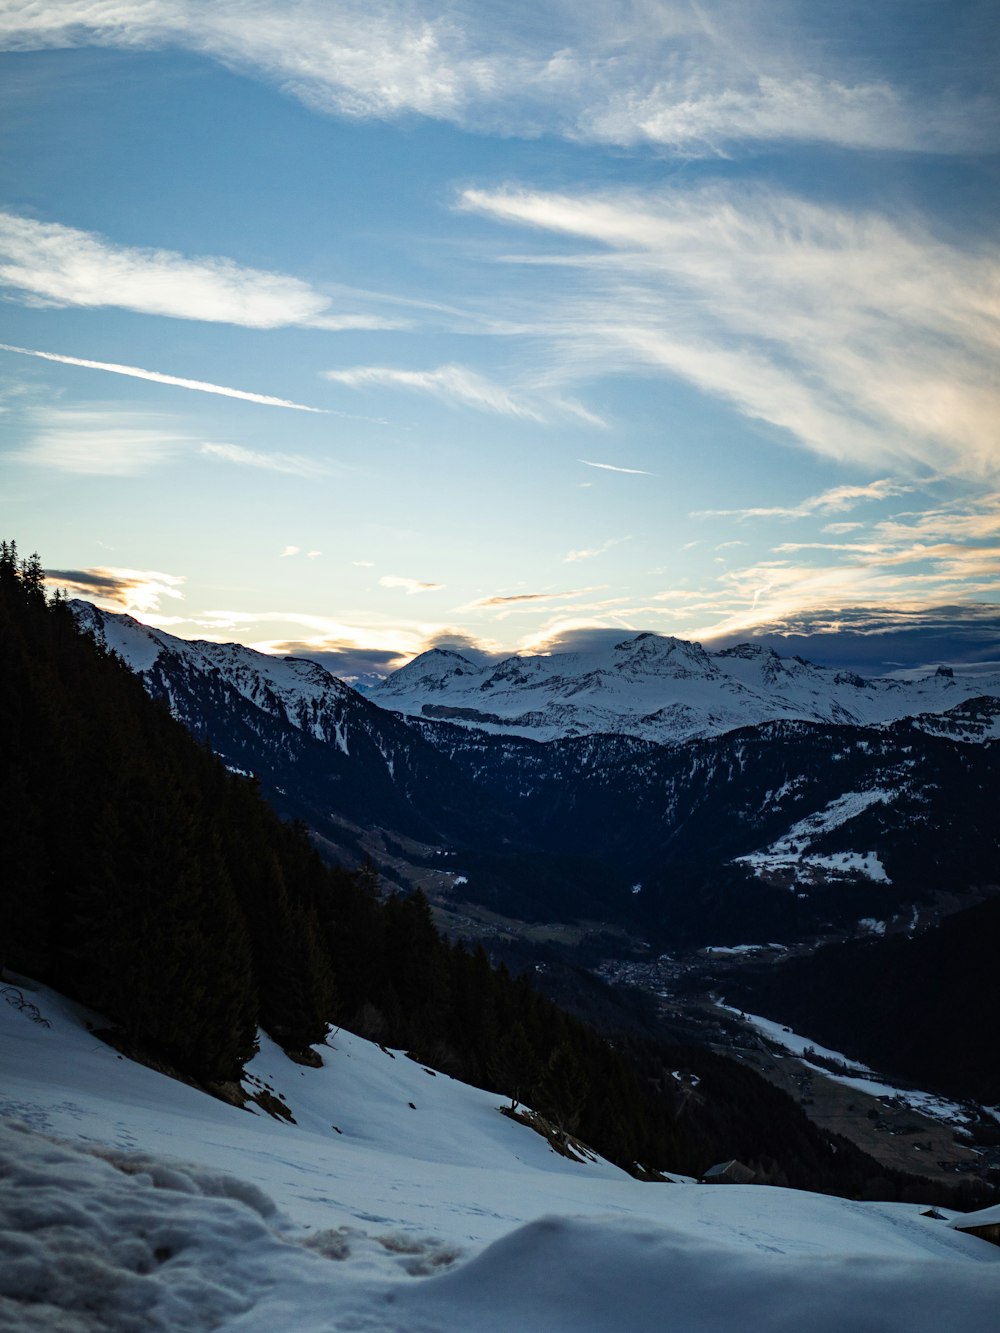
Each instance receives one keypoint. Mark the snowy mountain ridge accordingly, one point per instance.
(660, 689)
(652, 687)
(305, 693)
(321, 751)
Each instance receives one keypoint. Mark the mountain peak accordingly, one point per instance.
(659, 654)
(747, 651)
(450, 657)
(428, 670)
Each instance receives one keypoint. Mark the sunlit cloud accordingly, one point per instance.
(355, 659)
(513, 600)
(576, 633)
(100, 441)
(874, 640)
(61, 266)
(289, 551)
(295, 465)
(409, 586)
(694, 79)
(835, 500)
(455, 384)
(877, 640)
(474, 646)
(857, 335)
(137, 591)
(571, 557)
(350, 661)
(135, 372)
(373, 645)
(949, 554)
(397, 636)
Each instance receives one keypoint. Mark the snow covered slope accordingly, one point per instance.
(402, 1201)
(659, 688)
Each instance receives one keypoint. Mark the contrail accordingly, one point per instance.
(610, 467)
(138, 373)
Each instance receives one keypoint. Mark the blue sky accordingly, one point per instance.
(354, 328)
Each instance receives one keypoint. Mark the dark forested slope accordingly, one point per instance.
(918, 1008)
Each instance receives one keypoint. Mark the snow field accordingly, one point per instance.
(791, 851)
(856, 1075)
(428, 1210)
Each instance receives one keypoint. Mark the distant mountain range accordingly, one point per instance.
(657, 688)
(715, 798)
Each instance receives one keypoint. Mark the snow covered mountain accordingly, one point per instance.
(767, 830)
(321, 751)
(303, 692)
(400, 1201)
(657, 688)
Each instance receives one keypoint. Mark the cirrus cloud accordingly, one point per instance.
(57, 265)
(102, 441)
(695, 79)
(860, 336)
(456, 384)
(295, 465)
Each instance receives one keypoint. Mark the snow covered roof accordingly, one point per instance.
(985, 1217)
(732, 1171)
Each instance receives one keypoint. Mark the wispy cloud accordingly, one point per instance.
(135, 372)
(295, 465)
(571, 557)
(950, 553)
(512, 599)
(58, 265)
(409, 586)
(289, 551)
(612, 467)
(694, 78)
(456, 384)
(835, 500)
(138, 591)
(860, 336)
(100, 441)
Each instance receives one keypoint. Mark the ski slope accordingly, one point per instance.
(401, 1200)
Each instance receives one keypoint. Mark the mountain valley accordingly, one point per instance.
(609, 851)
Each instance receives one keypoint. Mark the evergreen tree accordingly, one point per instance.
(514, 1066)
(563, 1090)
